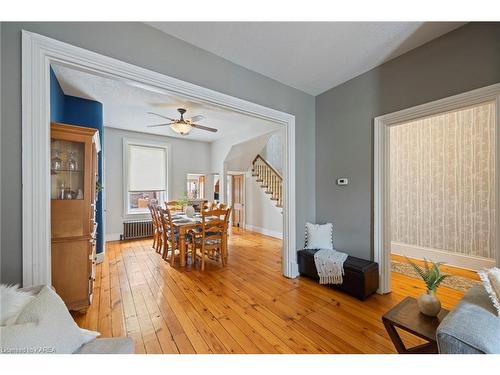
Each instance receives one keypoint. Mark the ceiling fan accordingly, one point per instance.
(183, 126)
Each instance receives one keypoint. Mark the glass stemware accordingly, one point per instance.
(72, 162)
(56, 162)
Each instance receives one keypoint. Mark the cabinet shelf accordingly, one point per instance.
(66, 170)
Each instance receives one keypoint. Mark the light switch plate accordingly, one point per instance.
(342, 181)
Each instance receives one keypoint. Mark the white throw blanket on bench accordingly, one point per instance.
(330, 266)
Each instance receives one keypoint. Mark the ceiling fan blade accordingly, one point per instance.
(201, 127)
(165, 117)
(152, 126)
(196, 118)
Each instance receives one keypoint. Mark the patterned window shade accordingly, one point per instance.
(443, 181)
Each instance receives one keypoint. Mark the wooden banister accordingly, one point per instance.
(258, 157)
(269, 179)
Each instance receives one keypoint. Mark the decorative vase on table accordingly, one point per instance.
(189, 211)
(429, 304)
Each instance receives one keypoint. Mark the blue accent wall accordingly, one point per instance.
(56, 99)
(87, 113)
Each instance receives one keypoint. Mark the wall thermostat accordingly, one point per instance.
(342, 181)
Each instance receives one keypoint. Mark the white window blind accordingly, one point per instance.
(147, 168)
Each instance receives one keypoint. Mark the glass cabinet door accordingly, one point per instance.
(67, 166)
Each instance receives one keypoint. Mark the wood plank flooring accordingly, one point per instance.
(245, 307)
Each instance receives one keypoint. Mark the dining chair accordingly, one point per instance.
(207, 206)
(171, 241)
(157, 229)
(212, 240)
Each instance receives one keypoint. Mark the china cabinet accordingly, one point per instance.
(74, 171)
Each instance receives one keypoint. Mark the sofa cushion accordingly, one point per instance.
(12, 301)
(121, 345)
(491, 282)
(44, 326)
(472, 327)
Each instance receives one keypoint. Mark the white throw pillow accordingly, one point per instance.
(491, 282)
(12, 302)
(319, 236)
(44, 326)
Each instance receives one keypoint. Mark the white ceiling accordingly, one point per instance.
(125, 106)
(310, 56)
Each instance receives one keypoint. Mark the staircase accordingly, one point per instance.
(270, 180)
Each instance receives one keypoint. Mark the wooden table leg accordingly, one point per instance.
(393, 334)
(182, 246)
(427, 348)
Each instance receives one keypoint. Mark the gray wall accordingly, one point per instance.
(187, 157)
(261, 213)
(141, 45)
(273, 152)
(465, 59)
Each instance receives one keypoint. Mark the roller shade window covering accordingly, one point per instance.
(147, 168)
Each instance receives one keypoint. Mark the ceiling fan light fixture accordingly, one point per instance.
(181, 127)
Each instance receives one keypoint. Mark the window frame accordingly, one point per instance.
(126, 213)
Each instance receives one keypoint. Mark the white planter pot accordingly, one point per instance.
(429, 304)
(189, 211)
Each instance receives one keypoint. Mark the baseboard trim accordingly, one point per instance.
(113, 237)
(264, 231)
(436, 255)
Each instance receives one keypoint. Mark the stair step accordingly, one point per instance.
(279, 205)
(259, 180)
(274, 199)
(255, 174)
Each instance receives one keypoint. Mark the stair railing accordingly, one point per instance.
(269, 179)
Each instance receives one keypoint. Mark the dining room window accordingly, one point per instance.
(145, 176)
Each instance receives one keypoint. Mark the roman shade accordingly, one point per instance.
(147, 168)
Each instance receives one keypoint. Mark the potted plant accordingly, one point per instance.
(186, 206)
(428, 303)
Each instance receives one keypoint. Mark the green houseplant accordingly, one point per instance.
(186, 205)
(428, 303)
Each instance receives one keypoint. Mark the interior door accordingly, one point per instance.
(238, 199)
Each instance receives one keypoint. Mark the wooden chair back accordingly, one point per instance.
(214, 224)
(168, 227)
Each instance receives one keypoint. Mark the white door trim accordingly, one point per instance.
(38, 52)
(382, 232)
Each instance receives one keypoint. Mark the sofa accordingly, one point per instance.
(473, 327)
(49, 321)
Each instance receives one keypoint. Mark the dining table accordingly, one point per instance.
(182, 224)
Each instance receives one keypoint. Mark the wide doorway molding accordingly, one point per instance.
(382, 124)
(38, 53)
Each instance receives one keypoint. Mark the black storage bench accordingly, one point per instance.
(360, 276)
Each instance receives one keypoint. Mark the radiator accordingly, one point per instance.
(137, 229)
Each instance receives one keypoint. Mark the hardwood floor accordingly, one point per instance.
(245, 307)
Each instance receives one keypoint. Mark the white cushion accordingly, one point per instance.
(12, 302)
(44, 326)
(491, 282)
(319, 236)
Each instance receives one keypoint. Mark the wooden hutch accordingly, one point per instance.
(74, 171)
